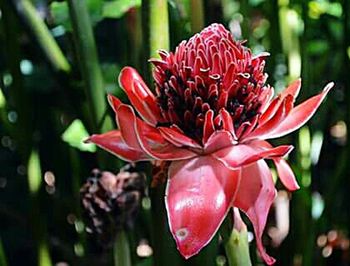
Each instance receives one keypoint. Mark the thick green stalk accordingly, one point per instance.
(197, 15)
(122, 250)
(43, 36)
(237, 248)
(89, 64)
(159, 26)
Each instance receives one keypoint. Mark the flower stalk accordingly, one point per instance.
(236, 241)
(121, 250)
(89, 64)
(159, 26)
(43, 36)
(197, 16)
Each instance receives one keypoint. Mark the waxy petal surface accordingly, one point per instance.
(140, 95)
(286, 175)
(199, 194)
(113, 142)
(126, 123)
(149, 138)
(243, 154)
(254, 197)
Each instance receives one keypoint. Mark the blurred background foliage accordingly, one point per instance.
(59, 59)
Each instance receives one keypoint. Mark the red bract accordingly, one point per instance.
(210, 117)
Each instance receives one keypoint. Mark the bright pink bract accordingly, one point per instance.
(210, 117)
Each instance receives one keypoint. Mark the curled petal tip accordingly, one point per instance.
(88, 140)
(329, 86)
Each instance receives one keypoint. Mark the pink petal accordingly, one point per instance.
(227, 123)
(255, 196)
(300, 114)
(113, 142)
(157, 146)
(243, 154)
(284, 171)
(286, 174)
(293, 89)
(140, 135)
(199, 194)
(177, 137)
(140, 95)
(219, 140)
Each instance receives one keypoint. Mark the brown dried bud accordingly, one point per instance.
(111, 202)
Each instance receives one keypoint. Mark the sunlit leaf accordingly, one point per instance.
(75, 135)
(34, 172)
(117, 8)
(60, 12)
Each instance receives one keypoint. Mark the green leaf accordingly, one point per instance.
(117, 8)
(34, 172)
(75, 135)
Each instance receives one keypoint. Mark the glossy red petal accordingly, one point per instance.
(140, 95)
(139, 134)
(199, 194)
(254, 197)
(300, 114)
(126, 120)
(243, 154)
(157, 146)
(113, 142)
(208, 127)
(114, 102)
(227, 123)
(176, 137)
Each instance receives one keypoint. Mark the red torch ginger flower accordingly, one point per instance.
(210, 118)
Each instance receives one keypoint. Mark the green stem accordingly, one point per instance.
(89, 65)
(121, 250)
(3, 260)
(197, 16)
(42, 34)
(235, 240)
(159, 26)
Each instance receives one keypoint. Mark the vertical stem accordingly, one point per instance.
(89, 65)
(122, 250)
(3, 260)
(159, 26)
(42, 34)
(197, 15)
(38, 223)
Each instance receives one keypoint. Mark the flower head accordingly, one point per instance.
(209, 119)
